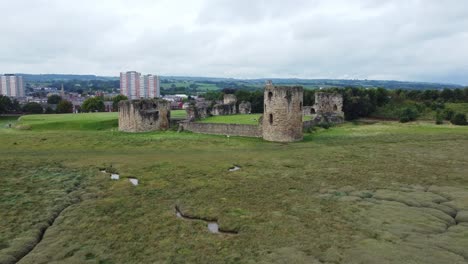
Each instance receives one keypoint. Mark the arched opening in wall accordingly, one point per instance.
(271, 119)
(156, 115)
(335, 108)
(312, 111)
(270, 95)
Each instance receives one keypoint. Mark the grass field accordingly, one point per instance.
(356, 193)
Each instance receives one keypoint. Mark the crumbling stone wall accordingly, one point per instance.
(282, 118)
(144, 115)
(196, 111)
(245, 108)
(224, 109)
(308, 110)
(328, 108)
(222, 129)
(229, 99)
(326, 103)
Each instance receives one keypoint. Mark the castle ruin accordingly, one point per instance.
(282, 114)
(328, 108)
(227, 107)
(144, 115)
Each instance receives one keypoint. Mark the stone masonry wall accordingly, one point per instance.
(328, 103)
(245, 108)
(229, 99)
(223, 129)
(144, 115)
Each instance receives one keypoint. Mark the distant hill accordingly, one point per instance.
(323, 82)
(63, 77)
(227, 82)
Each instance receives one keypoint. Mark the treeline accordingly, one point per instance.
(57, 105)
(359, 102)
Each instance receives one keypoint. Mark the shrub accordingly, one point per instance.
(65, 106)
(116, 100)
(54, 99)
(459, 119)
(33, 108)
(439, 118)
(407, 115)
(448, 114)
(93, 104)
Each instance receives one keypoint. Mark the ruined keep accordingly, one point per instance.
(144, 115)
(328, 108)
(282, 117)
(328, 103)
(228, 107)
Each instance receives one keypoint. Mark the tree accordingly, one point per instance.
(407, 115)
(439, 118)
(459, 119)
(65, 106)
(33, 108)
(93, 104)
(116, 100)
(5, 104)
(54, 99)
(448, 114)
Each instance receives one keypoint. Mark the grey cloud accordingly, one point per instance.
(394, 39)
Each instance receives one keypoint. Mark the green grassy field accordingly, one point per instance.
(355, 193)
(178, 114)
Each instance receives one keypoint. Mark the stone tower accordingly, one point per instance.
(282, 114)
(144, 115)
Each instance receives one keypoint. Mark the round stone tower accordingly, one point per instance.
(282, 113)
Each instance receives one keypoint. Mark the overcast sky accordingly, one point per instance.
(420, 40)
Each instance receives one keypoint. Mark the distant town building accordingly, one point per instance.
(136, 86)
(11, 85)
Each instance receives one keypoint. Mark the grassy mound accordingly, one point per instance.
(85, 121)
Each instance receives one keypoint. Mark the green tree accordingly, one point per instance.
(407, 115)
(33, 108)
(5, 104)
(448, 114)
(439, 118)
(459, 119)
(93, 104)
(54, 99)
(65, 106)
(116, 100)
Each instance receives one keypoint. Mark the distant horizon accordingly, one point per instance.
(251, 79)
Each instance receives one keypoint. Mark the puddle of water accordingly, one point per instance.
(213, 227)
(133, 181)
(115, 176)
(235, 168)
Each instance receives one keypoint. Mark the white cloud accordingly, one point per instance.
(394, 39)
